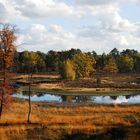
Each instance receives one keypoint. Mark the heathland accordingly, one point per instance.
(72, 121)
(58, 121)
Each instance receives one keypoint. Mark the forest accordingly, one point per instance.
(74, 63)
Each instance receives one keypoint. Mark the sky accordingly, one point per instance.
(98, 25)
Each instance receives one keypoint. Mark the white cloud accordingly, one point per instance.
(37, 9)
(9, 13)
(54, 37)
(2, 13)
(44, 38)
(44, 9)
(95, 2)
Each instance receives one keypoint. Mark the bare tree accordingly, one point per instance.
(31, 61)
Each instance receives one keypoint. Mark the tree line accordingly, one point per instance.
(74, 63)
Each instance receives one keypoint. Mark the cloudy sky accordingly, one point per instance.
(98, 25)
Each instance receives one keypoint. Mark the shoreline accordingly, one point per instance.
(82, 91)
(110, 85)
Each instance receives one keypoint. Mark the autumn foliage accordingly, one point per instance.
(7, 51)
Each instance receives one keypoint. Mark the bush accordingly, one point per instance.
(67, 70)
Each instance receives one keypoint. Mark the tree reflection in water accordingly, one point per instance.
(75, 99)
(50, 97)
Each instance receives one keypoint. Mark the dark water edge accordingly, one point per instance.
(44, 133)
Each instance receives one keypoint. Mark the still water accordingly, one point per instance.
(50, 97)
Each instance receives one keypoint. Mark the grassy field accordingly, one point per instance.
(59, 121)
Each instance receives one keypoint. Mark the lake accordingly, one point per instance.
(50, 97)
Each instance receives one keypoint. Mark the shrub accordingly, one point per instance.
(67, 70)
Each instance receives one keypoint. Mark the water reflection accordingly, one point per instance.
(113, 97)
(76, 99)
(49, 97)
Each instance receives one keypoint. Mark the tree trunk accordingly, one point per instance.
(29, 100)
(1, 106)
(2, 99)
(4, 84)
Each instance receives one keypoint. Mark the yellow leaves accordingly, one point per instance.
(84, 64)
(68, 71)
(111, 66)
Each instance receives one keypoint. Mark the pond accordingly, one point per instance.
(50, 97)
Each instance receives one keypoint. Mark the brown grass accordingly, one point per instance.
(66, 119)
(109, 83)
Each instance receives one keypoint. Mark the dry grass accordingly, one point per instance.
(45, 75)
(109, 83)
(68, 119)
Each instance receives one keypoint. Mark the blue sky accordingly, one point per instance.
(98, 25)
(131, 12)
